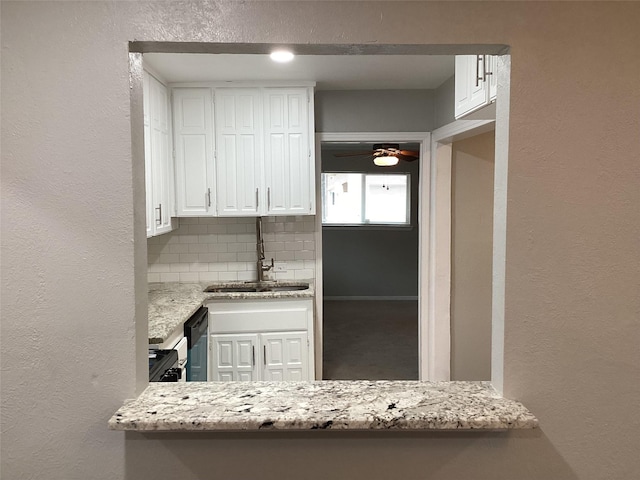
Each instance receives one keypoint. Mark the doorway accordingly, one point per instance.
(370, 262)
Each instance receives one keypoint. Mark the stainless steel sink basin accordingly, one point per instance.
(249, 287)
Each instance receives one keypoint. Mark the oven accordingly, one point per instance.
(196, 330)
(164, 366)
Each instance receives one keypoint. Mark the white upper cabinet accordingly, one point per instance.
(288, 157)
(475, 83)
(193, 127)
(239, 152)
(159, 179)
(252, 156)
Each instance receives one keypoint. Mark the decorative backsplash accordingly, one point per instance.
(211, 249)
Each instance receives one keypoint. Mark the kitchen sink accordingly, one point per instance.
(249, 287)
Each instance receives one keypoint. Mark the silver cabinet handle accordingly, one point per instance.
(257, 199)
(478, 77)
(159, 219)
(253, 354)
(485, 61)
(268, 198)
(264, 354)
(209, 196)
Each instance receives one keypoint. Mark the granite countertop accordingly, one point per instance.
(171, 304)
(341, 405)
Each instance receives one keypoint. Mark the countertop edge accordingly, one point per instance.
(326, 405)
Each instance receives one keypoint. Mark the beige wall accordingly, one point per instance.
(472, 163)
(69, 282)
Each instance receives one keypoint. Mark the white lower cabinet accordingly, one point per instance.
(261, 340)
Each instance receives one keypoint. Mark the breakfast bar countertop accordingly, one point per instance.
(335, 405)
(172, 303)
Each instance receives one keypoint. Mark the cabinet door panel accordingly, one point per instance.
(471, 92)
(194, 150)
(285, 356)
(288, 162)
(146, 105)
(239, 147)
(233, 357)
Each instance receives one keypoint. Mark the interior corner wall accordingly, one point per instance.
(472, 167)
(444, 103)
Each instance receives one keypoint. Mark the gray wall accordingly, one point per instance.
(374, 111)
(572, 305)
(444, 103)
(365, 261)
(472, 163)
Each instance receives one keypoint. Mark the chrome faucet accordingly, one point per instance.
(260, 248)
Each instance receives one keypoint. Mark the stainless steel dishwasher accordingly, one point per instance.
(196, 330)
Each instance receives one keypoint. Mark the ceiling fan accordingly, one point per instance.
(385, 154)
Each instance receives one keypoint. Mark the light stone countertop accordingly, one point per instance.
(171, 304)
(338, 405)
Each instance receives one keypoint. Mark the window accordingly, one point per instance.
(365, 199)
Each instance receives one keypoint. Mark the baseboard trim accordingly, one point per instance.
(371, 298)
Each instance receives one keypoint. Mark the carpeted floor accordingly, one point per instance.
(370, 340)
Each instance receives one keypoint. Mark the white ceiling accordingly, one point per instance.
(331, 72)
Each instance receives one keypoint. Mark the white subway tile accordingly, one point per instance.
(189, 277)
(169, 277)
(207, 220)
(198, 248)
(153, 277)
(293, 246)
(227, 238)
(217, 229)
(207, 257)
(228, 257)
(198, 229)
(188, 257)
(247, 256)
(159, 268)
(209, 238)
(179, 248)
(218, 267)
(309, 245)
(189, 221)
(303, 274)
(198, 267)
(304, 255)
(246, 238)
(179, 267)
(237, 266)
(237, 228)
(237, 247)
(169, 258)
(310, 264)
(228, 276)
(274, 246)
(217, 247)
(208, 276)
(227, 220)
(246, 276)
(188, 238)
(284, 255)
(305, 237)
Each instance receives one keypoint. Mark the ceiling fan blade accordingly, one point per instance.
(407, 158)
(353, 154)
(409, 153)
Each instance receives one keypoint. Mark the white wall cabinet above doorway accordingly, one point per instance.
(476, 84)
(244, 151)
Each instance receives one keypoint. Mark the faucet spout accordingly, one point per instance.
(261, 267)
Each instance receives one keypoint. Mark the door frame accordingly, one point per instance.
(428, 353)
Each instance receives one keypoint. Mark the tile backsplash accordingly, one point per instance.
(211, 249)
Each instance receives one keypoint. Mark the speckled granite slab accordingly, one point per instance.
(344, 405)
(171, 304)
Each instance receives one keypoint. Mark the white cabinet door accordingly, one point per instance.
(285, 356)
(233, 357)
(148, 176)
(162, 168)
(288, 157)
(471, 92)
(193, 124)
(238, 114)
(158, 161)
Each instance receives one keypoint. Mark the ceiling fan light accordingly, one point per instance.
(385, 161)
(281, 56)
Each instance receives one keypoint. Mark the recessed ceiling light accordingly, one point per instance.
(281, 56)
